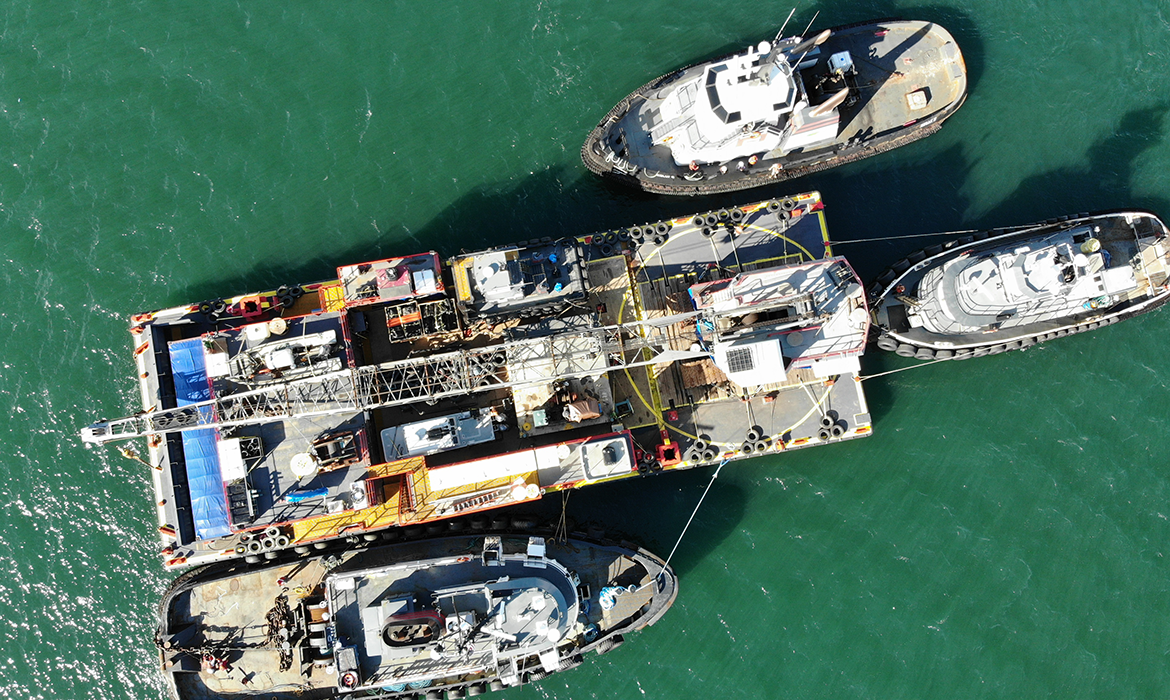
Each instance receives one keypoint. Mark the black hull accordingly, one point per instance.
(793, 166)
(906, 347)
(170, 626)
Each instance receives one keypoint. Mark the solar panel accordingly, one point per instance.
(740, 360)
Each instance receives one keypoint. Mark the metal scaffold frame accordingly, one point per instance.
(502, 366)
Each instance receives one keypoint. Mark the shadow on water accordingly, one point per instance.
(862, 203)
(1105, 183)
(567, 200)
(651, 512)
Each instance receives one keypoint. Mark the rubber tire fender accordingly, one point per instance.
(887, 343)
(905, 350)
(609, 644)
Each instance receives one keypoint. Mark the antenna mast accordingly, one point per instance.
(780, 33)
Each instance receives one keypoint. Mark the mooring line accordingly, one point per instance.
(691, 519)
(909, 235)
(903, 369)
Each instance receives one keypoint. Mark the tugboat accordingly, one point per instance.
(782, 109)
(457, 616)
(1008, 289)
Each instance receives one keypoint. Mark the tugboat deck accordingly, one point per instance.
(782, 109)
(241, 617)
(1026, 282)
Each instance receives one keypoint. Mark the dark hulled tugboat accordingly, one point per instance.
(782, 109)
(1007, 289)
(454, 616)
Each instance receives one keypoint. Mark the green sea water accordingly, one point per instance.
(1005, 531)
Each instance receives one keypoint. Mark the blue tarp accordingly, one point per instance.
(208, 504)
(298, 496)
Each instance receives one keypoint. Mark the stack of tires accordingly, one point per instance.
(832, 427)
(261, 545)
(287, 296)
(755, 442)
(701, 451)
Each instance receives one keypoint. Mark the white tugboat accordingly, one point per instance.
(452, 617)
(1008, 289)
(782, 109)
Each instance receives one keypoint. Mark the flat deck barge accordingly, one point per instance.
(410, 391)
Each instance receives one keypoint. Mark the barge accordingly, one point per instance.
(782, 109)
(421, 394)
(1007, 289)
(450, 617)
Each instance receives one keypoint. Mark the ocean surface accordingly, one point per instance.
(1005, 531)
